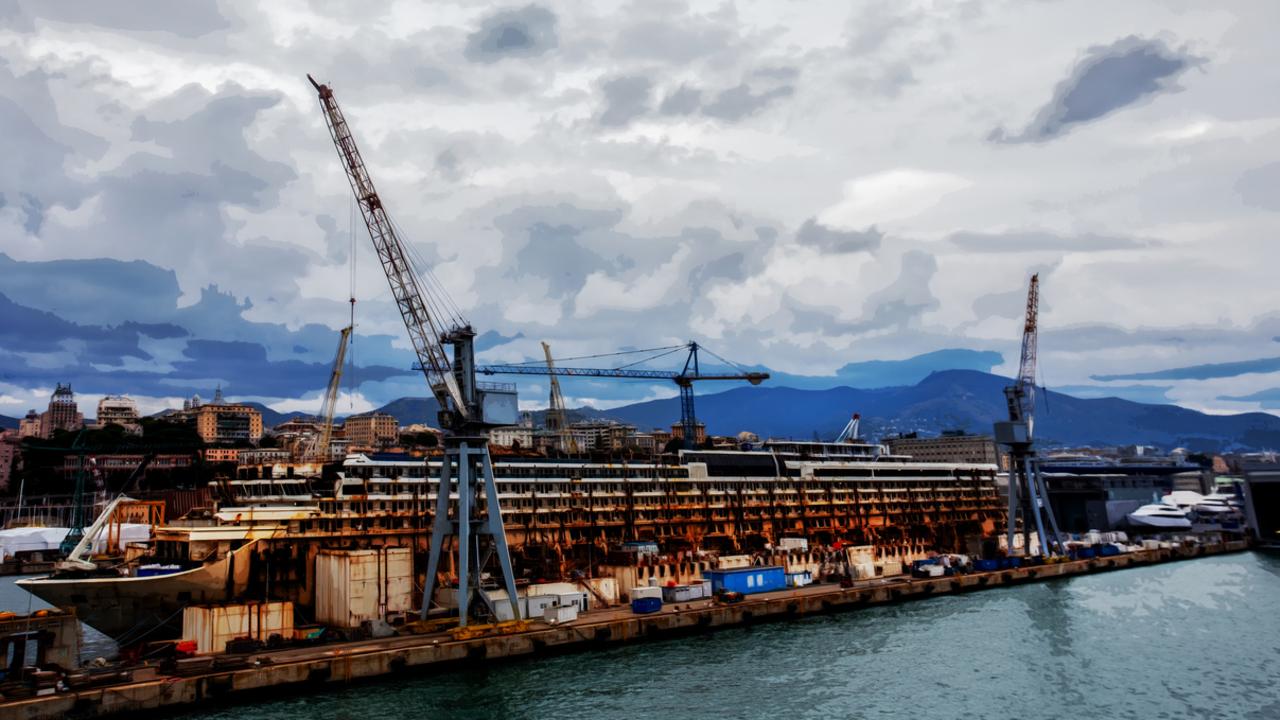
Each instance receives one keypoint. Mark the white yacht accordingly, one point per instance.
(1159, 516)
(1206, 506)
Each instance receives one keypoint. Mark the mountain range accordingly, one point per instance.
(967, 400)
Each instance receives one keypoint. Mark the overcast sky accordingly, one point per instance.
(798, 185)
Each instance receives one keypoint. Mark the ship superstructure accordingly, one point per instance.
(562, 518)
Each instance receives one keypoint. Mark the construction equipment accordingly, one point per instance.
(1028, 494)
(467, 409)
(684, 379)
(557, 422)
(850, 432)
(79, 500)
(316, 449)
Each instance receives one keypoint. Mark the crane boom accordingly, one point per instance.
(427, 338)
(683, 379)
(1021, 396)
(557, 419)
(318, 448)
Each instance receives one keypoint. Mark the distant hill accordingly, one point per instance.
(271, 418)
(410, 410)
(945, 400)
(8, 423)
(964, 400)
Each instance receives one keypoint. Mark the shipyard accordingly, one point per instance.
(554, 361)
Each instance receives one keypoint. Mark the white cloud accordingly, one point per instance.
(202, 151)
(898, 194)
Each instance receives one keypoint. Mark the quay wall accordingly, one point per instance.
(315, 668)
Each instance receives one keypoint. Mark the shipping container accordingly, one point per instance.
(646, 592)
(799, 579)
(212, 626)
(353, 586)
(642, 606)
(557, 614)
(748, 580)
(537, 604)
(682, 593)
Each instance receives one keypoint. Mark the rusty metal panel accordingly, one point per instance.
(357, 585)
(211, 626)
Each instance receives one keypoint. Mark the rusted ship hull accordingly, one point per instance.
(125, 607)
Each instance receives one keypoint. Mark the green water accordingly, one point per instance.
(1198, 639)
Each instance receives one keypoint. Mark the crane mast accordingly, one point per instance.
(471, 520)
(455, 394)
(1028, 492)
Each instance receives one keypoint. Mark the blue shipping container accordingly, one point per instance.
(641, 606)
(747, 580)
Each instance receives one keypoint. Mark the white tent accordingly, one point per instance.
(15, 540)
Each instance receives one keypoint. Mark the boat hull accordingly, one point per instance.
(1155, 522)
(125, 607)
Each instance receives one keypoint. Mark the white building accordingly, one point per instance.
(119, 410)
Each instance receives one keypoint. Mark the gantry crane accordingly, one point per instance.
(316, 448)
(684, 379)
(1028, 494)
(467, 410)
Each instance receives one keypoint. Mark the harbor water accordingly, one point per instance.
(1196, 639)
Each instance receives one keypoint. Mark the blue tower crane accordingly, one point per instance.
(684, 378)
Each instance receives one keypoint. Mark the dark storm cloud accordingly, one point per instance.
(92, 291)
(551, 244)
(1208, 371)
(1260, 187)
(36, 177)
(684, 100)
(27, 330)
(527, 32)
(625, 99)
(108, 297)
(1034, 240)
(741, 101)
(827, 239)
(1108, 78)
(1269, 398)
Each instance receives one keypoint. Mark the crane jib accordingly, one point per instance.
(424, 333)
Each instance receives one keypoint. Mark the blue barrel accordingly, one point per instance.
(1084, 553)
(642, 606)
(986, 565)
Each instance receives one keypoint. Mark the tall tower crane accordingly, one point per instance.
(684, 379)
(317, 448)
(1028, 494)
(466, 409)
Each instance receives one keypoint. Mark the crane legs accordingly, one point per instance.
(478, 531)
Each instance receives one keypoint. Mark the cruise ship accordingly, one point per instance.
(564, 518)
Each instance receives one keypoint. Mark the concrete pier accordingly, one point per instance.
(314, 668)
